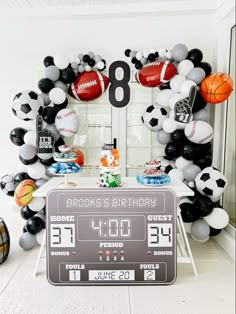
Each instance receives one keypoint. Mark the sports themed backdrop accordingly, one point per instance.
(184, 83)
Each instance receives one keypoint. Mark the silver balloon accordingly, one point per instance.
(91, 54)
(27, 151)
(163, 138)
(46, 99)
(200, 229)
(74, 65)
(81, 68)
(52, 73)
(61, 85)
(179, 52)
(202, 114)
(97, 58)
(27, 241)
(196, 75)
(191, 172)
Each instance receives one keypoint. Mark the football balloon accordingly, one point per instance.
(89, 86)
(156, 73)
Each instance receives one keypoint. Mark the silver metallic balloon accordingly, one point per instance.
(27, 241)
(61, 85)
(200, 229)
(52, 73)
(163, 138)
(191, 172)
(179, 52)
(196, 75)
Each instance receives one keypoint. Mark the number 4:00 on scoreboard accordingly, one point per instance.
(111, 238)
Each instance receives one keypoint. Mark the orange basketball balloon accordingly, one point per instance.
(216, 87)
(80, 157)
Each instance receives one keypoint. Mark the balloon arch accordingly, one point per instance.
(178, 116)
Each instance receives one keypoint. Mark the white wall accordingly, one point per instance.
(24, 44)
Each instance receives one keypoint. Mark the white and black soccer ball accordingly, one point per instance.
(166, 165)
(154, 117)
(7, 185)
(27, 105)
(211, 182)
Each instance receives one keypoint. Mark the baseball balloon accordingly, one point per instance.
(67, 122)
(199, 132)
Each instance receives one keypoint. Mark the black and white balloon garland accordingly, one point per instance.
(185, 157)
(60, 72)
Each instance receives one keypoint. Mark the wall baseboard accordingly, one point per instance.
(227, 241)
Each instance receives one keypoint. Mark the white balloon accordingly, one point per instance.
(162, 52)
(176, 82)
(36, 171)
(185, 88)
(71, 57)
(184, 67)
(172, 114)
(61, 61)
(30, 138)
(57, 96)
(218, 218)
(181, 163)
(176, 173)
(185, 200)
(169, 125)
(202, 114)
(164, 96)
(37, 204)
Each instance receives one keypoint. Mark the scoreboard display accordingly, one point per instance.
(111, 237)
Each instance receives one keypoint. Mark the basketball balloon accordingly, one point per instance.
(80, 157)
(216, 88)
(24, 191)
(4, 241)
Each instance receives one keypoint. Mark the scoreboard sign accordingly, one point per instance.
(111, 237)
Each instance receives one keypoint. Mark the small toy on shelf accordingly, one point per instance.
(109, 167)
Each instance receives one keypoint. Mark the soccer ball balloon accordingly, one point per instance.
(211, 182)
(154, 117)
(166, 165)
(27, 105)
(7, 185)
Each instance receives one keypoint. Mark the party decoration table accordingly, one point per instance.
(184, 253)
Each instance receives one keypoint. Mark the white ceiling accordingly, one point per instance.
(25, 4)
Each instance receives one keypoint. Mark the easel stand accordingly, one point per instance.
(184, 253)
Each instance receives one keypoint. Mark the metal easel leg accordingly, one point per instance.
(40, 254)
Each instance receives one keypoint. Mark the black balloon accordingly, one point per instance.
(172, 150)
(199, 103)
(195, 55)
(28, 161)
(67, 76)
(47, 162)
(188, 151)
(206, 67)
(92, 62)
(138, 65)
(178, 136)
(86, 58)
(156, 55)
(62, 106)
(45, 85)
(196, 194)
(151, 57)
(48, 61)
(202, 150)
(34, 225)
(49, 114)
(127, 52)
(188, 212)
(17, 136)
(165, 86)
(26, 212)
(58, 143)
(203, 205)
(24, 229)
(134, 60)
(214, 232)
(20, 176)
(203, 162)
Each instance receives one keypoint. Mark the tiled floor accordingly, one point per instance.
(212, 292)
